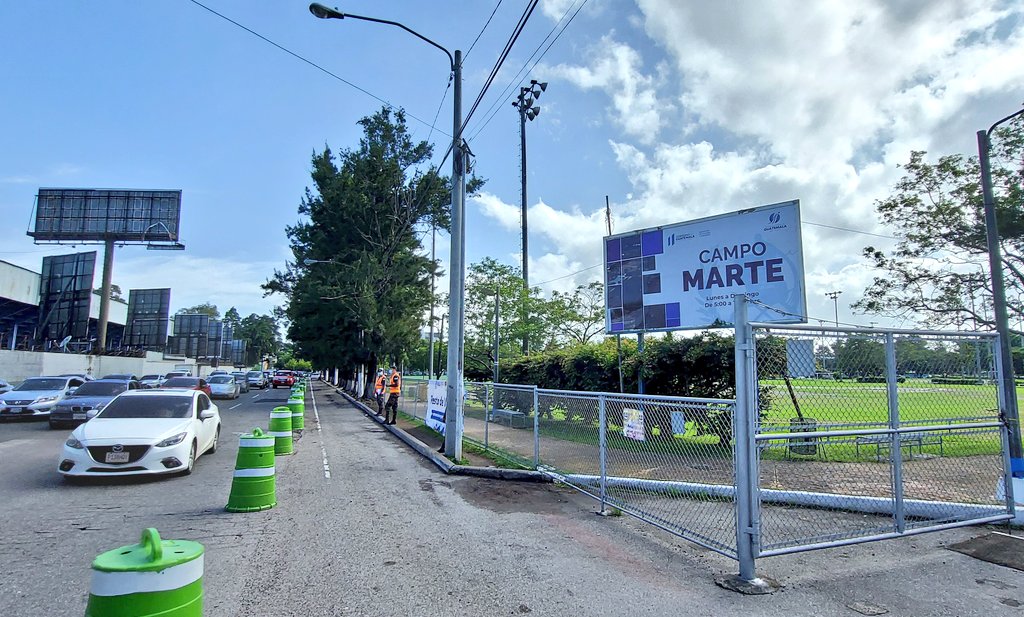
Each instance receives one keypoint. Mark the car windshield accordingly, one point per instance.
(153, 406)
(222, 379)
(100, 388)
(150, 377)
(254, 374)
(181, 382)
(42, 384)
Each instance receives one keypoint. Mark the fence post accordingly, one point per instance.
(1011, 500)
(488, 402)
(742, 424)
(602, 424)
(895, 447)
(536, 430)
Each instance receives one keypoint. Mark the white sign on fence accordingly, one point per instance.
(437, 394)
(633, 424)
(683, 276)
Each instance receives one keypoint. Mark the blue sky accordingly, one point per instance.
(675, 110)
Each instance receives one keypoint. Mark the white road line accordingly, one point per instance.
(235, 405)
(320, 434)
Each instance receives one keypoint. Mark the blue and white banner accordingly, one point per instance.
(684, 276)
(437, 396)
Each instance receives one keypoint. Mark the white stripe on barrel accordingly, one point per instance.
(256, 443)
(255, 472)
(124, 583)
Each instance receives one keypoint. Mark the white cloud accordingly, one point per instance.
(616, 68)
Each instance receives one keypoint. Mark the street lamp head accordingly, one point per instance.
(543, 85)
(325, 12)
(533, 113)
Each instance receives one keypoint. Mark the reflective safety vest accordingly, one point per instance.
(378, 386)
(396, 384)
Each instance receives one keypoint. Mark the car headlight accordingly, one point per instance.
(73, 443)
(171, 441)
(46, 399)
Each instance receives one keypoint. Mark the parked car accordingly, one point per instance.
(143, 432)
(82, 376)
(90, 395)
(218, 372)
(125, 376)
(256, 379)
(243, 382)
(36, 396)
(223, 386)
(283, 379)
(188, 383)
(178, 374)
(152, 381)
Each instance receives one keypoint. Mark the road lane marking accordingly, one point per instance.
(320, 434)
(233, 406)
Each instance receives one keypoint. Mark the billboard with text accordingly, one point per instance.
(683, 276)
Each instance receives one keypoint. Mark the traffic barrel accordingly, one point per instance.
(281, 430)
(298, 407)
(253, 487)
(153, 577)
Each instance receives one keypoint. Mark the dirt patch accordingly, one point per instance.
(507, 497)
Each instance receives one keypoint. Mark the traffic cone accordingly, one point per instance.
(298, 408)
(281, 430)
(253, 487)
(153, 577)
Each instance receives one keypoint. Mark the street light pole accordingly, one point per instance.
(457, 274)
(995, 264)
(527, 111)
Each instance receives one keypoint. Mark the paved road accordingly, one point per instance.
(365, 527)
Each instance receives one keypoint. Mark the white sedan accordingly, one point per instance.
(223, 386)
(143, 432)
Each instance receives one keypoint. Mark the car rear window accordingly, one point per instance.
(254, 374)
(149, 377)
(182, 382)
(148, 407)
(99, 388)
(222, 379)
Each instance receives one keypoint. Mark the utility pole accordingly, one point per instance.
(618, 337)
(527, 111)
(497, 335)
(108, 271)
(834, 295)
(433, 261)
(995, 260)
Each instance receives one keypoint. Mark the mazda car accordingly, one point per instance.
(143, 432)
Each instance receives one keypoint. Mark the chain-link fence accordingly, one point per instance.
(901, 428)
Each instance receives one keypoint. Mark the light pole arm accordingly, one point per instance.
(325, 12)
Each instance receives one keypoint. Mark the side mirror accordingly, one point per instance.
(72, 390)
(206, 414)
(89, 415)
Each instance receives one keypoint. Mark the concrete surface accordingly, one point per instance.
(365, 526)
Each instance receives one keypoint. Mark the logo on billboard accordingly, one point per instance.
(774, 218)
(775, 222)
(672, 240)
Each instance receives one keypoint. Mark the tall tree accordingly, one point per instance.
(261, 336)
(361, 218)
(232, 318)
(938, 272)
(577, 316)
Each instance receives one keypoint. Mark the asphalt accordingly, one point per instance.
(365, 526)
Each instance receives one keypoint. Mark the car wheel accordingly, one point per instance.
(213, 446)
(54, 425)
(191, 460)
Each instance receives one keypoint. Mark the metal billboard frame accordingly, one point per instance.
(130, 216)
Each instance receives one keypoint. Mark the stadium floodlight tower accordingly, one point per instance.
(149, 218)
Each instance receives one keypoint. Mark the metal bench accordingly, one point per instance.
(883, 443)
(510, 417)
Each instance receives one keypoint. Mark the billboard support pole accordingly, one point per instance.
(108, 272)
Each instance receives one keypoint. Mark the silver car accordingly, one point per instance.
(223, 386)
(36, 396)
(243, 383)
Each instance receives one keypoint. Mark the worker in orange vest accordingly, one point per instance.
(378, 391)
(394, 389)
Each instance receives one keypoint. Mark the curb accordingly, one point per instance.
(442, 462)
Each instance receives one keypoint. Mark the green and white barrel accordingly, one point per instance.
(151, 578)
(253, 487)
(298, 408)
(281, 430)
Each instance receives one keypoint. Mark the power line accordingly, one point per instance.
(568, 275)
(856, 231)
(386, 103)
(496, 106)
(466, 55)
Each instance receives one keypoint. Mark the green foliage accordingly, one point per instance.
(937, 273)
(206, 308)
(261, 336)
(367, 301)
(232, 318)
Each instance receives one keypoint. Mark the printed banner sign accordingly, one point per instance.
(437, 395)
(633, 424)
(684, 276)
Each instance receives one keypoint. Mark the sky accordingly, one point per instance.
(673, 110)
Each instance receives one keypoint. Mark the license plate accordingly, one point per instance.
(79, 416)
(116, 457)
(17, 409)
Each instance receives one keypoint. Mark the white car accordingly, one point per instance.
(144, 432)
(36, 396)
(223, 386)
(152, 381)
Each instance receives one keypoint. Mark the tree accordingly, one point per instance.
(205, 308)
(261, 336)
(937, 273)
(361, 217)
(577, 316)
(232, 318)
(115, 292)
